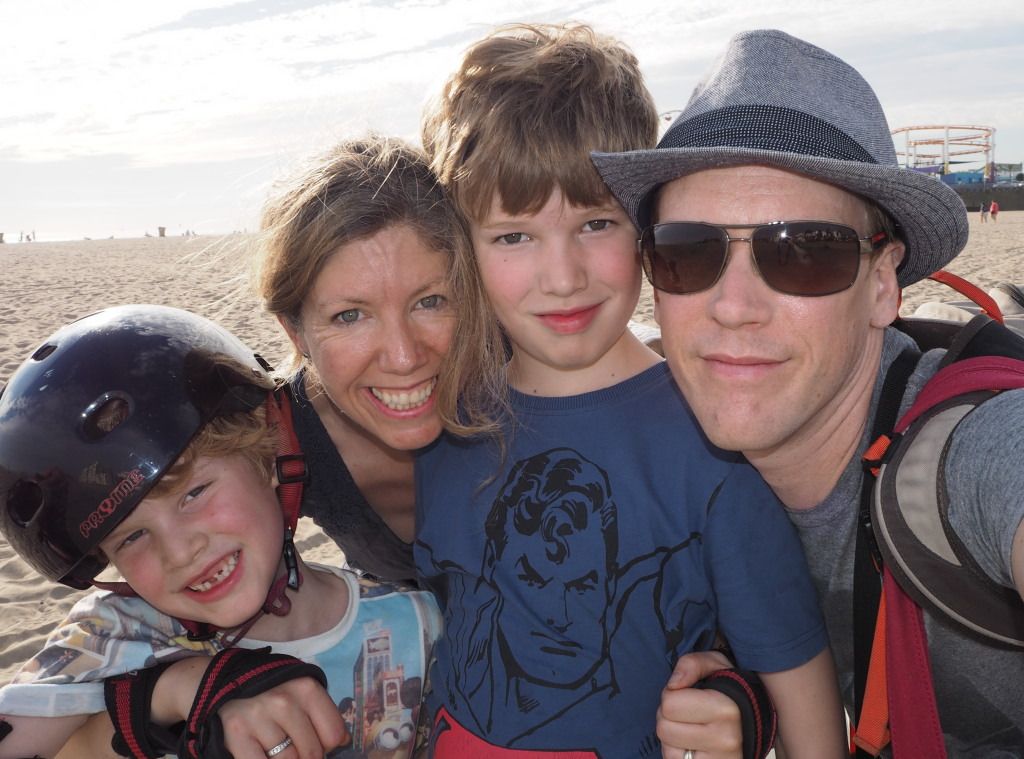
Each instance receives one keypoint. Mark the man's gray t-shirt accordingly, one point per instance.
(980, 688)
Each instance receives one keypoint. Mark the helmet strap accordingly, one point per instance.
(277, 603)
(118, 587)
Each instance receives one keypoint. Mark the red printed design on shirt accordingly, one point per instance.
(450, 740)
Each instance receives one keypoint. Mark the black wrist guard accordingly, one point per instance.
(235, 673)
(757, 712)
(128, 698)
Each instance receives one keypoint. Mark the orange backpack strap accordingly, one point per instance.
(871, 734)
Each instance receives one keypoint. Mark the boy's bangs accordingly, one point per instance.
(525, 183)
(246, 434)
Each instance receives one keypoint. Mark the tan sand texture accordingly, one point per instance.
(45, 285)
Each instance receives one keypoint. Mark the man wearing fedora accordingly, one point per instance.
(777, 231)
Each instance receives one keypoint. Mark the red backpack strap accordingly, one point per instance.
(970, 290)
(913, 712)
(899, 700)
(965, 376)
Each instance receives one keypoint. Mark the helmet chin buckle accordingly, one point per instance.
(291, 564)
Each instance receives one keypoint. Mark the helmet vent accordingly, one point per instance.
(105, 415)
(24, 501)
(43, 351)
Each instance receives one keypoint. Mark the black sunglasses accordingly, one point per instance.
(808, 258)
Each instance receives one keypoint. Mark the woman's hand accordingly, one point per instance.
(298, 709)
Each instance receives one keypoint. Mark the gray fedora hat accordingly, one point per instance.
(778, 101)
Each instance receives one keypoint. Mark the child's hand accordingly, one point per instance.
(704, 721)
(299, 709)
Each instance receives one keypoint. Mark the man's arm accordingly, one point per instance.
(811, 721)
(985, 484)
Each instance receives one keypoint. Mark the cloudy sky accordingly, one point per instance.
(119, 116)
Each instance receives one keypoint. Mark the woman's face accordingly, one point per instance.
(376, 326)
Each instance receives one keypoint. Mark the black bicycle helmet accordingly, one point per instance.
(97, 414)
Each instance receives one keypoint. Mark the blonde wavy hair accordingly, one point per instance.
(246, 434)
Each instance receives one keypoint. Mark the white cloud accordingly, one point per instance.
(190, 82)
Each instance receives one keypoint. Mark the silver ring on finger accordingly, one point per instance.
(689, 754)
(288, 741)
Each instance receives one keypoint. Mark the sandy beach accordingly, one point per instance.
(45, 285)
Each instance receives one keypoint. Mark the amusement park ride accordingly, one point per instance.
(921, 146)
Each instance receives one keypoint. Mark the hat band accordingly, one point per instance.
(765, 127)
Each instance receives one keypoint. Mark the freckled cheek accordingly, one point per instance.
(340, 362)
(441, 338)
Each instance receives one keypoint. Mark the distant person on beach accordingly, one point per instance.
(176, 423)
(984, 212)
(994, 210)
(357, 251)
(580, 530)
(786, 363)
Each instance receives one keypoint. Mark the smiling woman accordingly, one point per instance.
(358, 266)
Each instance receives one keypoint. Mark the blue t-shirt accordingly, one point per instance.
(573, 572)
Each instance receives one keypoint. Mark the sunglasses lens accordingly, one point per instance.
(683, 257)
(807, 257)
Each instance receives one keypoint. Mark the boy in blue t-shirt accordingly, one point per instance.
(147, 437)
(581, 533)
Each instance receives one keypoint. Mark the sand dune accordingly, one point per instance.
(45, 285)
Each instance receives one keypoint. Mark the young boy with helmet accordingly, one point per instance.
(149, 438)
